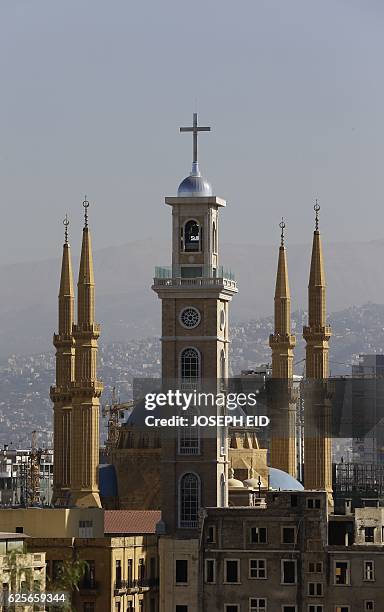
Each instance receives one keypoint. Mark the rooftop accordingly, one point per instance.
(131, 521)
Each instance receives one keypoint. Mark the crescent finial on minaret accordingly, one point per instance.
(66, 224)
(86, 206)
(316, 208)
(282, 227)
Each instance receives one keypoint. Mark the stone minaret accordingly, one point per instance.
(61, 393)
(282, 343)
(317, 442)
(86, 389)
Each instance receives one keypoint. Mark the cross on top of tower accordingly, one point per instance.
(195, 129)
(282, 227)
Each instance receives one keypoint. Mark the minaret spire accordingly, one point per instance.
(61, 393)
(317, 333)
(87, 388)
(86, 280)
(282, 343)
(317, 441)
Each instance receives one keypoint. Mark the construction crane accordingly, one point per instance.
(113, 411)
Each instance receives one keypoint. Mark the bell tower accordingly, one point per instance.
(195, 292)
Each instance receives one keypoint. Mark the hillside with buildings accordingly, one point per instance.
(25, 379)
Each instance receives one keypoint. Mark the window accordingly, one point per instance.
(130, 573)
(258, 535)
(190, 365)
(288, 571)
(192, 236)
(118, 574)
(313, 503)
(211, 534)
(189, 501)
(342, 609)
(181, 609)
(89, 578)
(118, 606)
(342, 572)
(181, 572)
(289, 609)
(231, 608)
(130, 606)
(189, 440)
(315, 589)
(369, 570)
(257, 604)
(315, 568)
(210, 571)
(152, 605)
(88, 606)
(85, 529)
(294, 501)
(369, 534)
(141, 605)
(56, 570)
(369, 605)
(141, 571)
(257, 568)
(288, 535)
(316, 608)
(231, 570)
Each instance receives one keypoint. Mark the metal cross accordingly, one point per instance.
(195, 129)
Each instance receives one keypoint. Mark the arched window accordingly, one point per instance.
(190, 365)
(192, 236)
(189, 501)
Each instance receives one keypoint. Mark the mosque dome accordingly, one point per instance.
(254, 483)
(279, 480)
(194, 185)
(233, 483)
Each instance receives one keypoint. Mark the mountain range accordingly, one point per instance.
(127, 308)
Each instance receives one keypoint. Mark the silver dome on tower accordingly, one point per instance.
(194, 185)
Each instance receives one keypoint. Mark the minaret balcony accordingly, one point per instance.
(165, 278)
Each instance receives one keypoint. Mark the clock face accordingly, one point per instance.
(222, 319)
(190, 317)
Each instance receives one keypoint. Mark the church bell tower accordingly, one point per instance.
(195, 292)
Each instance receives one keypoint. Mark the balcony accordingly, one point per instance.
(168, 278)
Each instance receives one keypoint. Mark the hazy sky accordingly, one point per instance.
(93, 93)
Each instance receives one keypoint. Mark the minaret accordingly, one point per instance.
(317, 441)
(86, 388)
(282, 343)
(61, 392)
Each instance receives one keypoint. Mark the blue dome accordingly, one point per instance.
(283, 481)
(194, 186)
